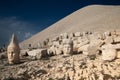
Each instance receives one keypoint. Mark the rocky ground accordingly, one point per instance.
(86, 56)
(72, 67)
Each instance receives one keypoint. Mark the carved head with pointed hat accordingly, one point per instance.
(13, 50)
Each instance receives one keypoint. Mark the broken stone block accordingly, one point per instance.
(108, 52)
(67, 41)
(77, 34)
(51, 51)
(64, 36)
(84, 49)
(117, 39)
(118, 54)
(71, 35)
(107, 33)
(38, 53)
(109, 40)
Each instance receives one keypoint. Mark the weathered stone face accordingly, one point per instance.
(13, 51)
(67, 46)
(13, 55)
(67, 49)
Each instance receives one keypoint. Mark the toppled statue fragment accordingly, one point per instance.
(67, 46)
(13, 50)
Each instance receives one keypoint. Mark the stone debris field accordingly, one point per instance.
(73, 56)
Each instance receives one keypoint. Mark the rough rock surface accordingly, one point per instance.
(85, 57)
(76, 67)
(108, 52)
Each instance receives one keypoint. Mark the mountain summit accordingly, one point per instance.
(91, 18)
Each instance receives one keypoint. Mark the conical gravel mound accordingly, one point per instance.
(91, 18)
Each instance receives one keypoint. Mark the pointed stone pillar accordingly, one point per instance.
(13, 50)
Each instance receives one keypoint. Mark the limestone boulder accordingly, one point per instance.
(109, 39)
(38, 53)
(109, 53)
(84, 49)
(51, 51)
(77, 34)
(55, 49)
(56, 43)
(59, 50)
(117, 39)
(64, 35)
(107, 33)
(71, 35)
(118, 54)
(100, 36)
(92, 52)
(94, 48)
(67, 41)
(77, 45)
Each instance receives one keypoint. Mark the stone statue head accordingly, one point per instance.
(67, 49)
(13, 50)
(67, 46)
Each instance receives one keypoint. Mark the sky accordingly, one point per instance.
(28, 17)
